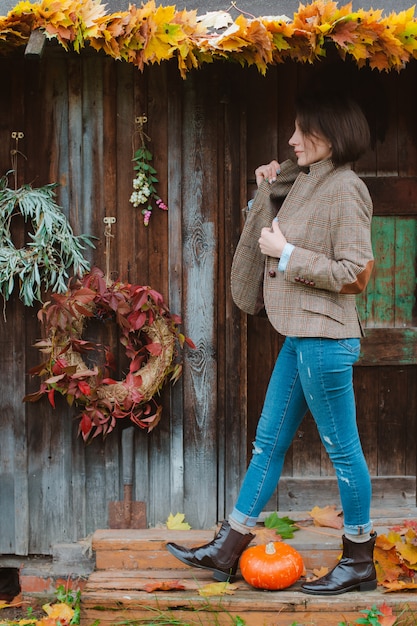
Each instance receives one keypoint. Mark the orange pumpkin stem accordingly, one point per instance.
(270, 548)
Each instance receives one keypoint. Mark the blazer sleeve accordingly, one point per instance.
(348, 267)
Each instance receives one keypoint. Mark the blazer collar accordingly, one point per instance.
(327, 166)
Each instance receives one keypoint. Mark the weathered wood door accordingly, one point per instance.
(386, 376)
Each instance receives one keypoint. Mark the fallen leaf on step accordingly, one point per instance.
(387, 618)
(59, 611)
(263, 536)
(399, 585)
(327, 516)
(7, 605)
(163, 585)
(176, 522)
(217, 589)
(283, 526)
(318, 572)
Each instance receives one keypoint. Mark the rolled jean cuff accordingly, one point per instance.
(244, 519)
(362, 529)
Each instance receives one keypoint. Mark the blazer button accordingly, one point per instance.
(272, 273)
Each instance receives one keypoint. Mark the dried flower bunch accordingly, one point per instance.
(144, 191)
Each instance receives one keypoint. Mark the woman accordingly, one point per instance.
(318, 255)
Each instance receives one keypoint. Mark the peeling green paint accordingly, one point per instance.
(390, 298)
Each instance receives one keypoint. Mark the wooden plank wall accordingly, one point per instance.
(78, 117)
(208, 133)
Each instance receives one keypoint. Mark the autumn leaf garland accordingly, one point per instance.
(152, 34)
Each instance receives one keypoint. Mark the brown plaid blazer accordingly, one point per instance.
(326, 215)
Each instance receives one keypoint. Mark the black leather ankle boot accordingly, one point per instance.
(355, 571)
(221, 555)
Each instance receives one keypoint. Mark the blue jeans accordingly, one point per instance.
(315, 374)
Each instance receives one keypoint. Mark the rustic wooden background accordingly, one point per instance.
(208, 133)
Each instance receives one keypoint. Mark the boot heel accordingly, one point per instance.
(368, 586)
(222, 577)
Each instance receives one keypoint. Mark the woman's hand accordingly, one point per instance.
(267, 172)
(272, 241)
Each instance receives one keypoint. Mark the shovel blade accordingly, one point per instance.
(127, 514)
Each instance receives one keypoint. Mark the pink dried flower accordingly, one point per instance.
(161, 204)
(147, 217)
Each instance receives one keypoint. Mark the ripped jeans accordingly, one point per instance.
(315, 374)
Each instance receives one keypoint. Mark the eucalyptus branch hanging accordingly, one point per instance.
(144, 191)
(52, 250)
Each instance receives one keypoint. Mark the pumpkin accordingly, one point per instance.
(275, 565)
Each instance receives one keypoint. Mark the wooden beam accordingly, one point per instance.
(35, 46)
(389, 346)
(301, 493)
(392, 195)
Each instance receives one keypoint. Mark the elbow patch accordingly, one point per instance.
(361, 280)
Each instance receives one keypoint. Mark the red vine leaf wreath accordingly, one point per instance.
(149, 334)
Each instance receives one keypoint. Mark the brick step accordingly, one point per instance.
(119, 596)
(146, 549)
(127, 561)
(140, 549)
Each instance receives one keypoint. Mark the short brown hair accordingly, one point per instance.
(339, 119)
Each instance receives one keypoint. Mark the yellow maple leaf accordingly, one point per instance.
(380, 61)
(408, 553)
(59, 611)
(326, 516)
(7, 605)
(233, 38)
(217, 589)
(176, 522)
(321, 571)
(163, 35)
(399, 585)
(118, 34)
(90, 11)
(264, 535)
(23, 7)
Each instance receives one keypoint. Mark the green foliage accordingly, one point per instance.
(52, 248)
(73, 599)
(284, 526)
(371, 618)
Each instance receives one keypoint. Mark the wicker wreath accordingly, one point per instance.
(149, 334)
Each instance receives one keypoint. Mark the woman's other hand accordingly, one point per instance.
(272, 241)
(267, 172)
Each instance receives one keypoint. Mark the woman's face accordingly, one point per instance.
(309, 148)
